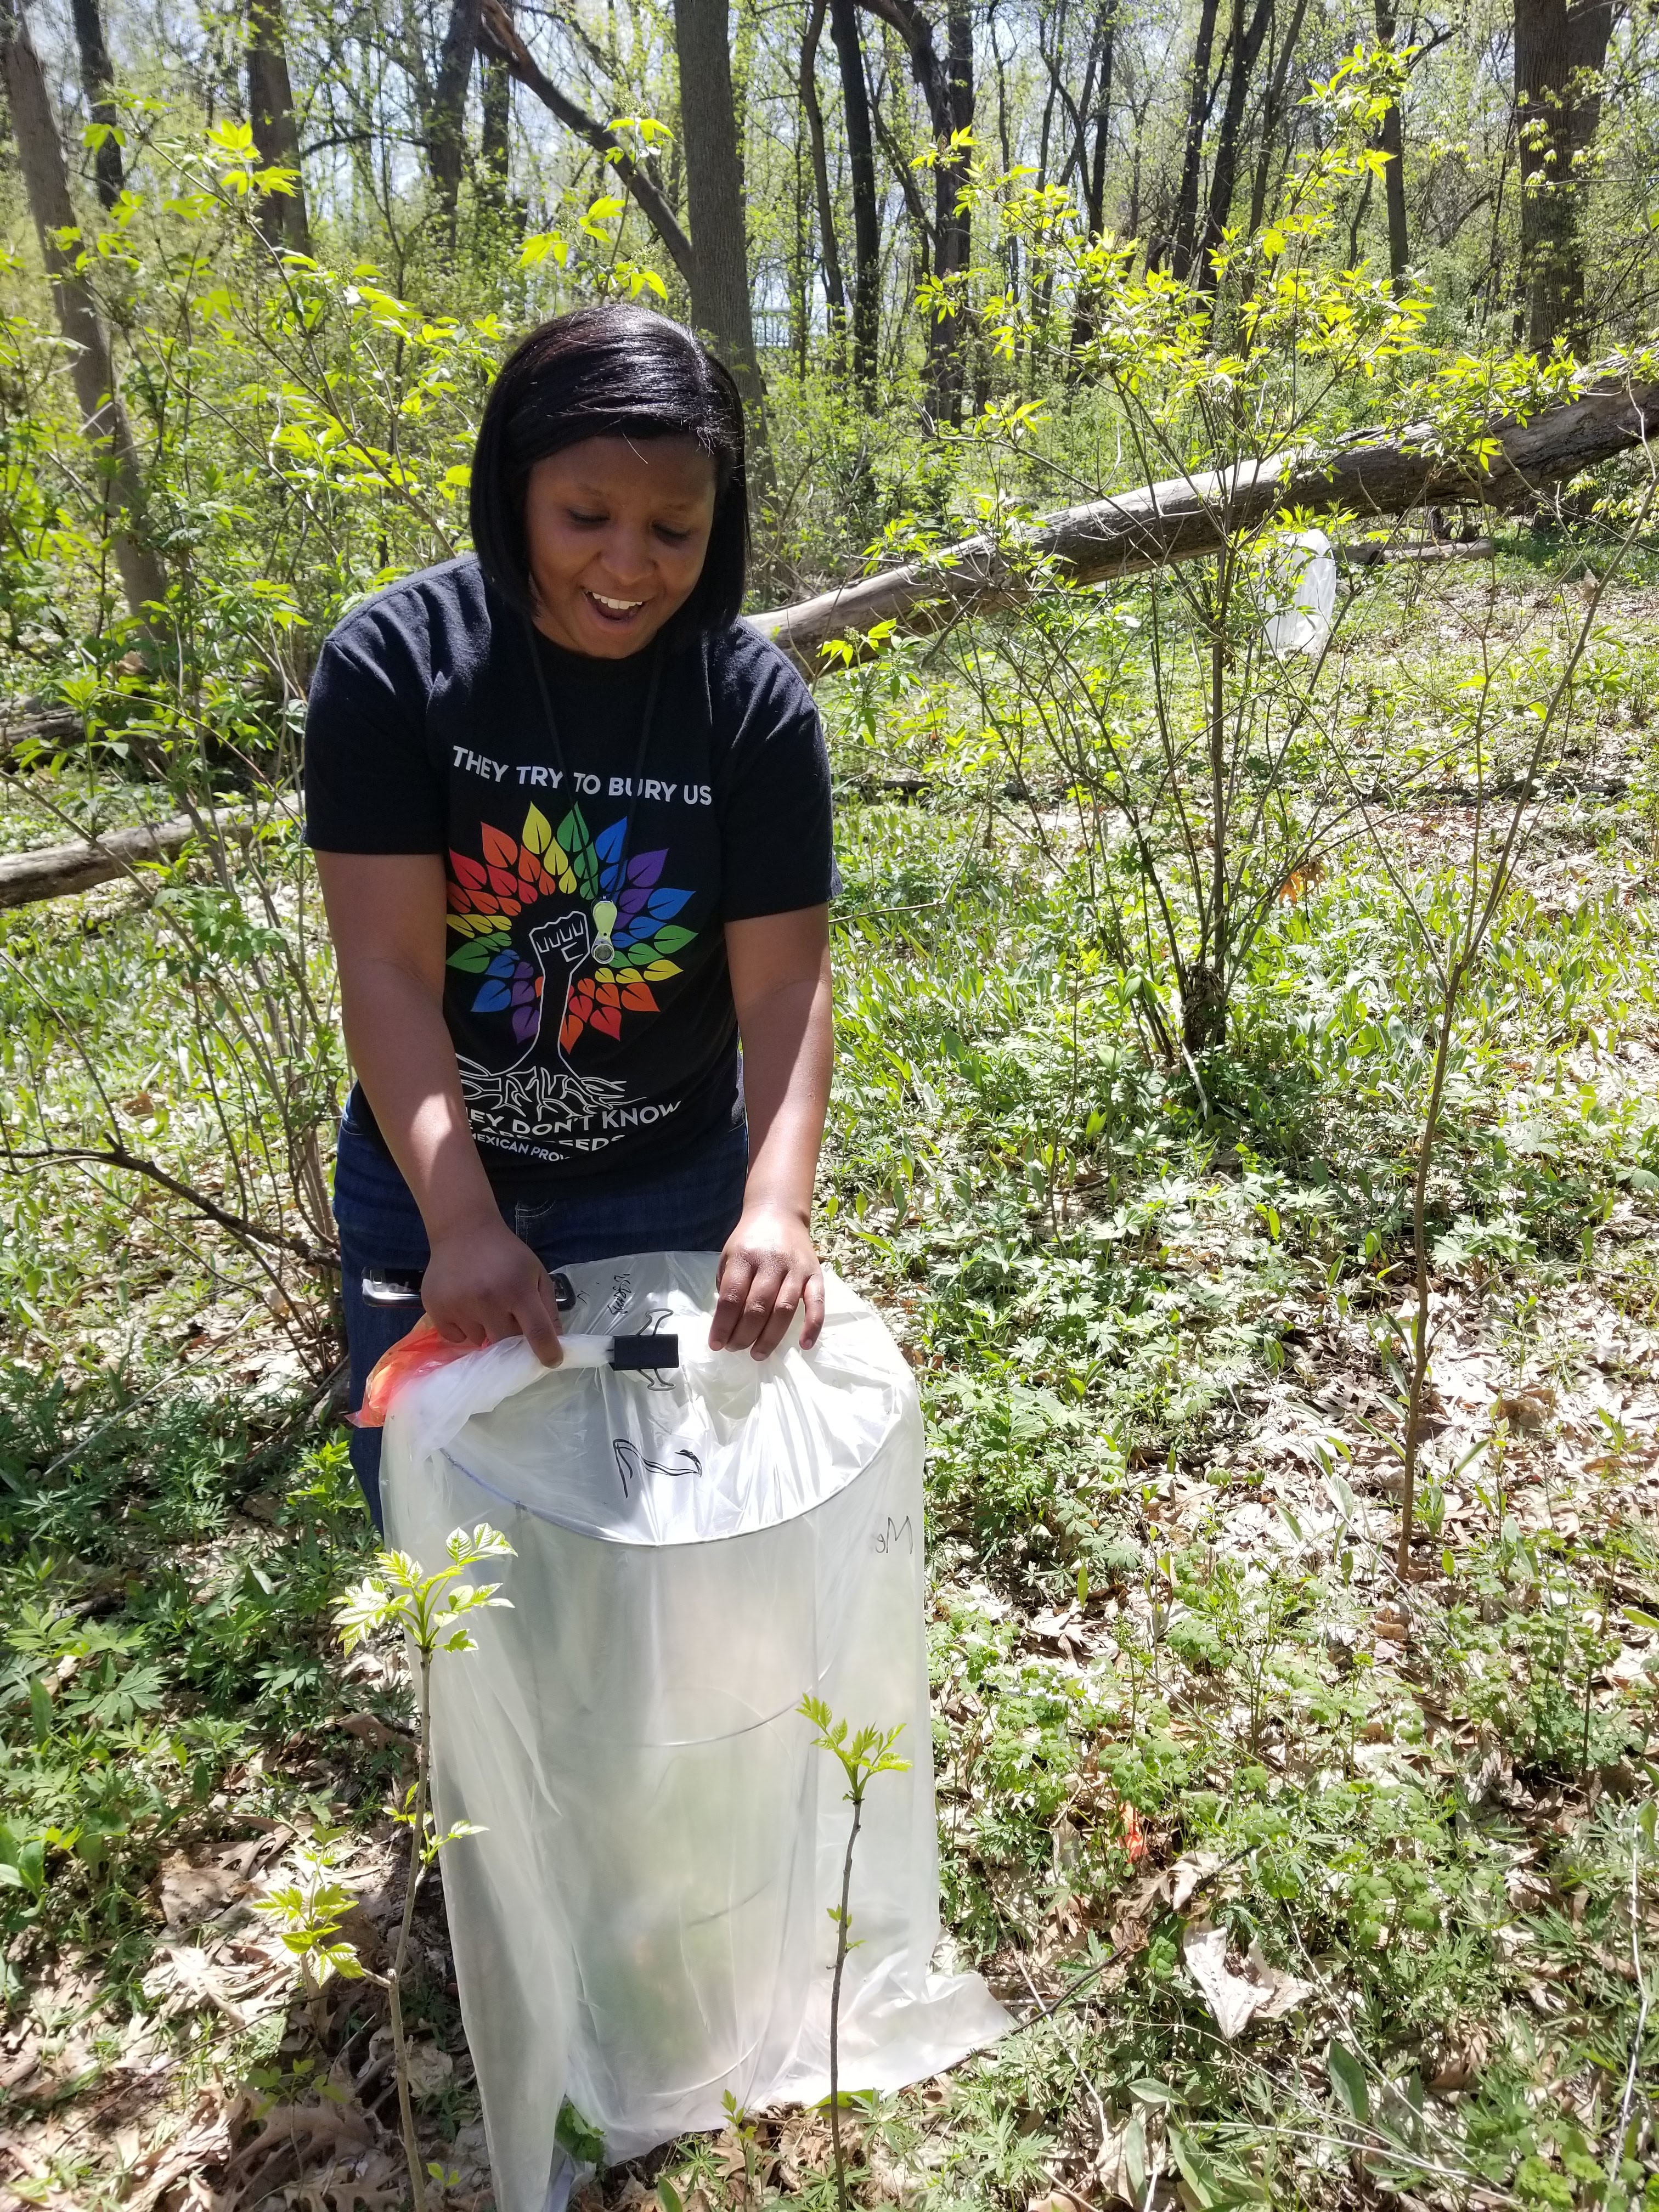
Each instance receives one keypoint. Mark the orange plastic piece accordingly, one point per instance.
(418, 1353)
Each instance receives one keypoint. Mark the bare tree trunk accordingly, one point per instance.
(714, 191)
(98, 82)
(1246, 44)
(948, 89)
(446, 121)
(1051, 63)
(495, 143)
(1106, 38)
(1272, 112)
(104, 419)
(834, 289)
(271, 110)
(1561, 46)
(1096, 107)
(867, 215)
(1197, 115)
(948, 349)
(1391, 138)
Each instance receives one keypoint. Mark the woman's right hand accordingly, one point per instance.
(483, 1282)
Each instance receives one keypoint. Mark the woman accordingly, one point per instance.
(572, 822)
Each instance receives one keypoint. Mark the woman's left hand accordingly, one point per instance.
(768, 1268)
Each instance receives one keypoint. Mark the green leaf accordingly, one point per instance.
(584, 2142)
(1348, 2080)
(1134, 2156)
(1196, 2171)
(1150, 2091)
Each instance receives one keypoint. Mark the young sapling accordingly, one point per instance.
(862, 1757)
(431, 1609)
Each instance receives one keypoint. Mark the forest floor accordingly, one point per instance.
(1311, 1884)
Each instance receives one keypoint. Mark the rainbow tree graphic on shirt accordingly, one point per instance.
(522, 959)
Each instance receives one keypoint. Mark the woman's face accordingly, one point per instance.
(616, 533)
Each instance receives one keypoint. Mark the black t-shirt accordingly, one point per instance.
(586, 990)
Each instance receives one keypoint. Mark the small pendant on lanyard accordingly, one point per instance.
(604, 920)
(602, 947)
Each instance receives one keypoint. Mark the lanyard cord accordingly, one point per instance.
(603, 947)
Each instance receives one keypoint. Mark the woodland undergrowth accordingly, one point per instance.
(1310, 1883)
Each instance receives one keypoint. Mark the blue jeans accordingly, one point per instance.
(690, 1206)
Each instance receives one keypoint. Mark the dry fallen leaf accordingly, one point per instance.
(802, 2148)
(1458, 2069)
(1526, 1890)
(430, 2070)
(202, 2144)
(1122, 2163)
(1524, 1410)
(186, 1977)
(1189, 1870)
(1261, 1992)
(192, 1894)
(374, 1732)
(292, 2140)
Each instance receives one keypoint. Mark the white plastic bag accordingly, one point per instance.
(644, 1926)
(1303, 619)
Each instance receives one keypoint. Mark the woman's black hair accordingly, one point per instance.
(610, 372)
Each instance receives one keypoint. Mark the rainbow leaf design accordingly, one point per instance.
(487, 895)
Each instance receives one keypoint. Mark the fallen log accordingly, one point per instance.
(1185, 517)
(23, 721)
(55, 870)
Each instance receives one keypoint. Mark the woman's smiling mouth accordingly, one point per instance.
(614, 610)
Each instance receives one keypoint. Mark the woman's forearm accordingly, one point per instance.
(405, 1061)
(788, 1048)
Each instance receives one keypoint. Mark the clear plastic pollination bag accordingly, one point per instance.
(644, 1926)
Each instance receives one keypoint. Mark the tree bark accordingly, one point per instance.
(1106, 41)
(1187, 516)
(835, 287)
(495, 141)
(57, 871)
(1561, 46)
(98, 83)
(1272, 111)
(1391, 138)
(1246, 43)
(92, 367)
(866, 215)
(948, 89)
(1097, 108)
(953, 223)
(1199, 96)
(282, 215)
(720, 304)
(502, 36)
(446, 120)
